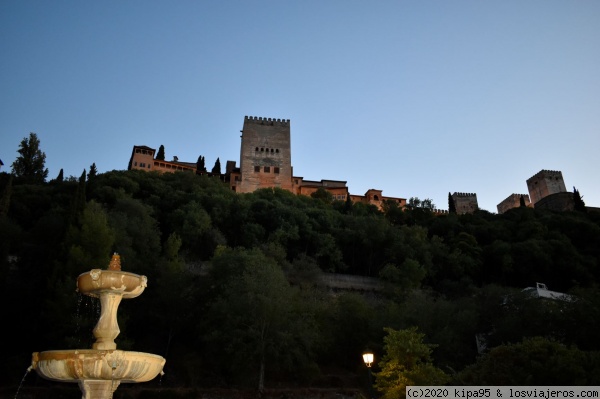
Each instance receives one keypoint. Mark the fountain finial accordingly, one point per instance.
(115, 262)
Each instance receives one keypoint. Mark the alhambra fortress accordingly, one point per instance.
(265, 162)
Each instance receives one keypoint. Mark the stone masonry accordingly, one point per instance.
(265, 158)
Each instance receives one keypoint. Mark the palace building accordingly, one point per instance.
(265, 162)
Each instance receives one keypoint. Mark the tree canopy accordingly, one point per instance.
(240, 284)
(30, 164)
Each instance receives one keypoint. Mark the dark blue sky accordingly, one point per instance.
(417, 98)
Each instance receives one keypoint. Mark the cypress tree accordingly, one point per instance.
(217, 168)
(348, 205)
(200, 167)
(451, 205)
(29, 166)
(93, 172)
(78, 201)
(5, 199)
(578, 203)
(161, 153)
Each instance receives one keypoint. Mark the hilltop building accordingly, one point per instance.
(513, 201)
(545, 183)
(546, 191)
(265, 161)
(265, 156)
(465, 202)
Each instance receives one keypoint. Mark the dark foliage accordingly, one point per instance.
(160, 155)
(450, 275)
(451, 204)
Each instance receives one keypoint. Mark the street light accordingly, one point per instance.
(368, 359)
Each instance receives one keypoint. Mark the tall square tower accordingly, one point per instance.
(544, 183)
(465, 202)
(265, 155)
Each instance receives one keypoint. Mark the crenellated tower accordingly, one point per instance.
(513, 201)
(545, 183)
(265, 155)
(465, 202)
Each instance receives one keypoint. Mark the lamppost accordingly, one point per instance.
(368, 359)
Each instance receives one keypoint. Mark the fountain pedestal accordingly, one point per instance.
(100, 370)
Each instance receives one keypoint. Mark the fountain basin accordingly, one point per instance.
(90, 364)
(97, 281)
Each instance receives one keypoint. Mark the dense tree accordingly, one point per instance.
(160, 155)
(217, 168)
(579, 205)
(200, 165)
(60, 177)
(255, 318)
(5, 197)
(172, 306)
(401, 280)
(451, 204)
(394, 213)
(415, 202)
(534, 361)
(93, 172)
(137, 236)
(30, 164)
(211, 253)
(88, 246)
(322, 195)
(346, 324)
(406, 361)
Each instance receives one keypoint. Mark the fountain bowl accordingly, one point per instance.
(97, 281)
(91, 364)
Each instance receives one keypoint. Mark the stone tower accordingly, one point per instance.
(465, 202)
(265, 157)
(142, 157)
(513, 201)
(544, 183)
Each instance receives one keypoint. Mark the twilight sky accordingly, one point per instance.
(416, 98)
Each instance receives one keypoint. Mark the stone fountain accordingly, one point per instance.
(100, 370)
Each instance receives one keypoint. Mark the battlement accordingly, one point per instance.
(544, 183)
(545, 172)
(514, 195)
(259, 120)
(465, 194)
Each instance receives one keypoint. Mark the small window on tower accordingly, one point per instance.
(276, 169)
(257, 168)
(262, 149)
(277, 150)
(267, 169)
(256, 149)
